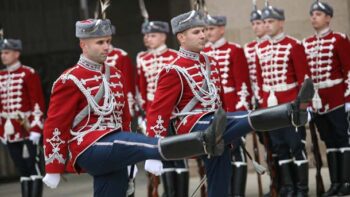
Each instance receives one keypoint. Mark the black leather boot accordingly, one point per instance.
(333, 159)
(26, 186)
(37, 186)
(289, 114)
(287, 187)
(169, 183)
(197, 143)
(239, 179)
(302, 179)
(182, 183)
(344, 189)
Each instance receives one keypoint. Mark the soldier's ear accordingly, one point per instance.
(180, 37)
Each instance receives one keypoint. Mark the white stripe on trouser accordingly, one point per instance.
(304, 155)
(237, 116)
(242, 153)
(127, 143)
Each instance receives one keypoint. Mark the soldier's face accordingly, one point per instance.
(258, 27)
(96, 49)
(214, 33)
(145, 41)
(192, 39)
(9, 57)
(320, 20)
(155, 40)
(273, 26)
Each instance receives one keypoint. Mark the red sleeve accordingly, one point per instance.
(241, 78)
(129, 77)
(57, 126)
(342, 48)
(126, 118)
(168, 90)
(142, 88)
(37, 103)
(300, 63)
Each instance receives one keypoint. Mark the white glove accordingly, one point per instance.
(52, 180)
(154, 166)
(4, 141)
(135, 171)
(347, 107)
(142, 125)
(34, 137)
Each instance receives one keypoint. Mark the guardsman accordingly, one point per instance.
(175, 176)
(329, 62)
(188, 92)
(281, 70)
(258, 27)
(237, 93)
(22, 109)
(157, 57)
(89, 131)
(119, 58)
(259, 30)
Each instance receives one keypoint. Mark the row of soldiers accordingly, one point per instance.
(266, 72)
(179, 92)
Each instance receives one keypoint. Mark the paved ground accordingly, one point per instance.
(81, 186)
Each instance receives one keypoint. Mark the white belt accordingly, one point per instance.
(328, 83)
(279, 87)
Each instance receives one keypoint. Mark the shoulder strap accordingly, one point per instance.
(190, 105)
(84, 112)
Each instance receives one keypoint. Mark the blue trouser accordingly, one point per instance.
(334, 128)
(288, 143)
(218, 169)
(107, 160)
(26, 166)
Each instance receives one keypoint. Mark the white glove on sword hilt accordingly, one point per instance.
(154, 166)
(52, 180)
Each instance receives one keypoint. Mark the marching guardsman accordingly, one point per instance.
(329, 61)
(119, 58)
(89, 131)
(237, 94)
(188, 92)
(281, 69)
(175, 176)
(22, 112)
